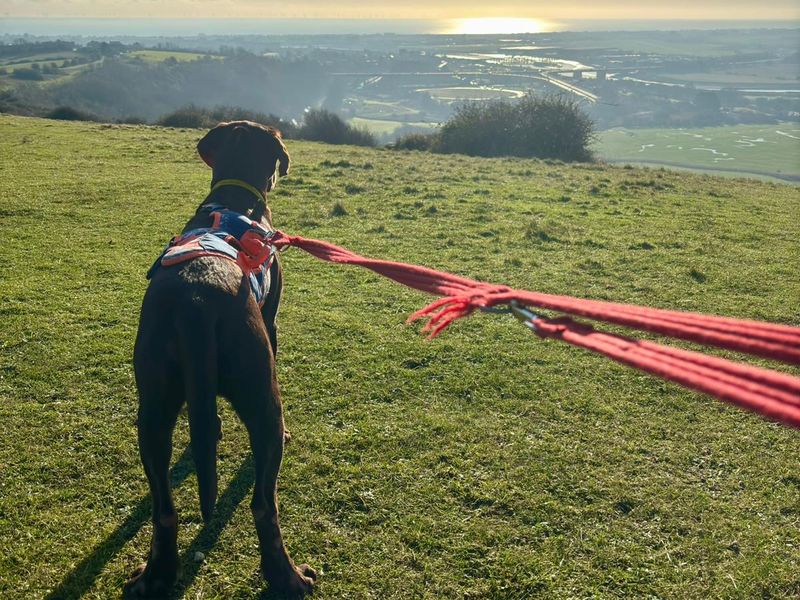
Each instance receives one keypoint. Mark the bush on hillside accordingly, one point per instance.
(196, 117)
(16, 103)
(190, 116)
(416, 141)
(132, 120)
(321, 125)
(534, 126)
(67, 113)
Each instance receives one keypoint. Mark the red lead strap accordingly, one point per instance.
(772, 394)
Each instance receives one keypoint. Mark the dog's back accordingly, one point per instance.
(179, 343)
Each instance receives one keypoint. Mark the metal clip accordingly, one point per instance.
(524, 315)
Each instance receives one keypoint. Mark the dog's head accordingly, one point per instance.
(245, 150)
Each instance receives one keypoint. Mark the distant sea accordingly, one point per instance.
(189, 27)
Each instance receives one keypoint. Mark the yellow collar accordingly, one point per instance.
(242, 184)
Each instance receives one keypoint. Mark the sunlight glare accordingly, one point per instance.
(501, 25)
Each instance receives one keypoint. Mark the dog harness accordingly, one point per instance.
(232, 236)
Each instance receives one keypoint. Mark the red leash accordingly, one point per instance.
(770, 393)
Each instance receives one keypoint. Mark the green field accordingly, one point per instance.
(380, 110)
(453, 94)
(41, 59)
(162, 55)
(384, 127)
(487, 464)
(771, 150)
(755, 75)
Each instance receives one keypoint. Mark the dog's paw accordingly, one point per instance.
(146, 582)
(297, 584)
(287, 436)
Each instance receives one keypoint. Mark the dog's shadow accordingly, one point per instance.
(82, 577)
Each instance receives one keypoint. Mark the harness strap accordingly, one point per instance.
(242, 184)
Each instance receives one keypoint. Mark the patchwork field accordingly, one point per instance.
(487, 464)
(162, 55)
(768, 150)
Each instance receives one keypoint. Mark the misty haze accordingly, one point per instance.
(645, 90)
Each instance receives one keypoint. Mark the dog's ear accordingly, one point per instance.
(277, 156)
(283, 158)
(209, 146)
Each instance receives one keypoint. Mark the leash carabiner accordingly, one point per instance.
(520, 312)
(524, 315)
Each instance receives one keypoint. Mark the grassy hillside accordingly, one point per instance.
(485, 464)
(766, 150)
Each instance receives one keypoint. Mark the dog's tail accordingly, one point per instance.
(198, 351)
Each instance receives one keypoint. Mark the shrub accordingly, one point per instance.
(416, 141)
(338, 210)
(132, 120)
(196, 117)
(552, 127)
(67, 113)
(13, 102)
(27, 74)
(235, 113)
(321, 125)
(190, 116)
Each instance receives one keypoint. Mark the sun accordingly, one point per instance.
(500, 25)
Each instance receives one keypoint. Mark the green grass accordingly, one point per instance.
(385, 127)
(759, 149)
(162, 55)
(44, 58)
(377, 109)
(485, 464)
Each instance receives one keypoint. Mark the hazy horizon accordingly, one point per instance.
(150, 26)
(408, 9)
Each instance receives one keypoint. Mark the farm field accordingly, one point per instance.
(379, 110)
(58, 62)
(162, 55)
(486, 464)
(385, 127)
(454, 94)
(772, 76)
(772, 150)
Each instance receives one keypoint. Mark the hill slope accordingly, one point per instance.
(486, 464)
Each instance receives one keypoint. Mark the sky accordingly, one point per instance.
(407, 9)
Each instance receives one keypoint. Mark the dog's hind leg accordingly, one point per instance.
(258, 404)
(160, 400)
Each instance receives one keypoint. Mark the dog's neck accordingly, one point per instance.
(241, 199)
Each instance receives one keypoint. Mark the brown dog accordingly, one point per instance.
(202, 334)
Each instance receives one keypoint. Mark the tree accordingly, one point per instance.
(535, 126)
(324, 126)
